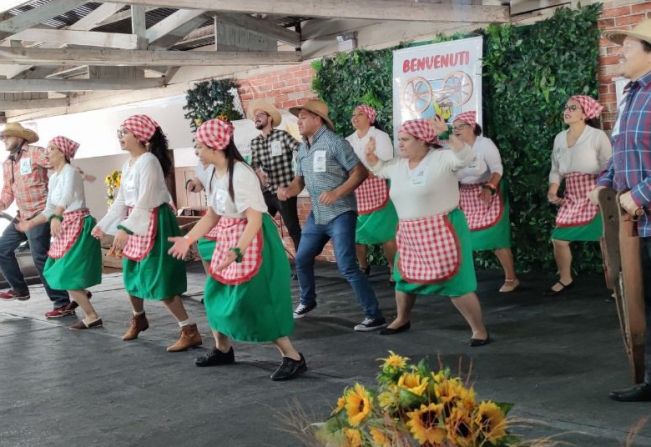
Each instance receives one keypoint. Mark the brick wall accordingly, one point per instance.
(617, 14)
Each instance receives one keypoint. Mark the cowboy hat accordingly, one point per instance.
(317, 107)
(267, 108)
(16, 130)
(641, 32)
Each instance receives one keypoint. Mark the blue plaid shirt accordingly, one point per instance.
(630, 165)
(339, 160)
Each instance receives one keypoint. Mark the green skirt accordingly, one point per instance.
(81, 266)
(206, 248)
(465, 281)
(259, 310)
(159, 276)
(499, 235)
(377, 227)
(589, 232)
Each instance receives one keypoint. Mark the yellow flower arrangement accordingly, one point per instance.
(112, 182)
(426, 424)
(358, 404)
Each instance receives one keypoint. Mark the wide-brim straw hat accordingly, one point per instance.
(317, 107)
(642, 31)
(17, 130)
(267, 108)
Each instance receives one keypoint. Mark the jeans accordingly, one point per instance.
(288, 211)
(341, 230)
(645, 248)
(39, 244)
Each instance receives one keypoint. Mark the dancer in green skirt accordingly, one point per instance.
(75, 259)
(142, 220)
(248, 295)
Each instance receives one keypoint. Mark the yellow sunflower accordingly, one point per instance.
(341, 402)
(380, 438)
(438, 377)
(353, 437)
(389, 399)
(426, 424)
(460, 428)
(449, 390)
(413, 382)
(491, 421)
(394, 361)
(358, 404)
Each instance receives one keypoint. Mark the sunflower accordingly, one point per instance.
(358, 404)
(449, 392)
(380, 438)
(394, 361)
(341, 402)
(414, 383)
(353, 437)
(491, 421)
(390, 398)
(460, 428)
(426, 424)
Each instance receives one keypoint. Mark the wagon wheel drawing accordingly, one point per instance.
(458, 83)
(417, 95)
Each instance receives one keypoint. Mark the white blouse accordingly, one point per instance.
(430, 188)
(142, 187)
(589, 155)
(383, 145)
(247, 191)
(66, 190)
(486, 163)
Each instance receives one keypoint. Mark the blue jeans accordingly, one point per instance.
(645, 249)
(341, 230)
(39, 244)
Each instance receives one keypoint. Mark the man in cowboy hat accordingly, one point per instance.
(272, 153)
(630, 166)
(25, 177)
(328, 166)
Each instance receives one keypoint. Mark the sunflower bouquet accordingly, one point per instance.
(415, 406)
(112, 182)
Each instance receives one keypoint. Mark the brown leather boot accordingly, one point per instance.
(190, 337)
(138, 324)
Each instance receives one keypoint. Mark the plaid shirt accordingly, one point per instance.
(25, 180)
(630, 166)
(277, 164)
(339, 160)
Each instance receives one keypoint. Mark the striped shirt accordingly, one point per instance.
(630, 166)
(25, 181)
(274, 155)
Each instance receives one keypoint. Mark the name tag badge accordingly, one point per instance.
(418, 178)
(276, 149)
(220, 201)
(25, 166)
(615, 130)
(319, 161)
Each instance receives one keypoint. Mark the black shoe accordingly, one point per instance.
(370, 324)
(289, 369)
(475, 342)
(390, 331)
(564, 288)
(303, 309)
(216, 358)
(636, 393)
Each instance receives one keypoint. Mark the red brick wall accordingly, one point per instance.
(617, 14)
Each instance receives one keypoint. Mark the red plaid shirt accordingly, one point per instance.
(25, 180)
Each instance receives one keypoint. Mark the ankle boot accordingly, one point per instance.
(138, 324)
(190, 337)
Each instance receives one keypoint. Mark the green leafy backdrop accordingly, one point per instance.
(210, 99)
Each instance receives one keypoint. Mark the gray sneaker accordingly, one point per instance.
(371, 324)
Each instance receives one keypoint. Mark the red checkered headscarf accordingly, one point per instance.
(368, 111)
(421, 129)
(469, 117)
(141, 126)
(66, 146)
(591, 108)
(215, 133)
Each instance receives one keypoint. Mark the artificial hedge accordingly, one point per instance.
(529, 72)
(211, 99)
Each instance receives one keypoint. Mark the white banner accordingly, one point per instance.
(442, 78)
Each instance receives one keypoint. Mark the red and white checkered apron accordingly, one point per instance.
(230, 231)
(138, 247)
(371, 195)
(577, 209)
(71, 226)
(212, 234)
(478, 214)
(429, 249)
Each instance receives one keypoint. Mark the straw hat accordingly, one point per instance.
(641, 32)
(267, 108)
(317, 107)
(16, 130)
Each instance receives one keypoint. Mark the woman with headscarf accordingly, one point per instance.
(142, 220)
(377, 219)
(75, 259)
(483, 198)
(247, 295)
(434, 247)
(580, 153)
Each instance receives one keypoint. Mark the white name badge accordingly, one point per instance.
(25, 166)
(319, 161)
(219, 201)
(276, 149)
(418, 177)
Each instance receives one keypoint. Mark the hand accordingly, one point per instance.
(120, 240)
(626, 201)
(553, 198)
(594, 195)
(328, 197)
(23, 226)
(440, 126)
(55, 227)
(180, 248)
(264, 178)
(283, 193)
(486, 196)
(192, 186)
(228, 260)
(371, 158)
(97, 232)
